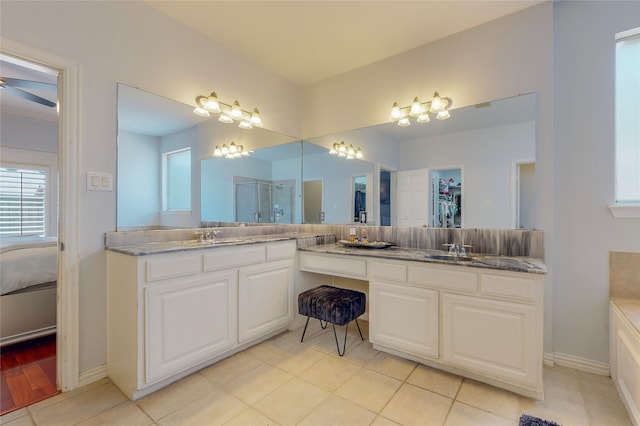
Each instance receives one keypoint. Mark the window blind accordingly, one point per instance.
(23, 207)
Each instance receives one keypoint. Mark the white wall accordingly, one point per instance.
(585, 231)
(485, 156)
(131, 43)
(139, 202)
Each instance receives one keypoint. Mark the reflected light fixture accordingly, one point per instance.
(421, 110)
(232, 151)
(346, 151)
(205, 105)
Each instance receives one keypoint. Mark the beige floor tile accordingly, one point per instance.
(298, 359)
(125, 414)
(391, 365)
(435, 380)
(369, 389)
(329, 372)
(291, 402)
(561, 411)
(65, 395)
(361, 354)
(255, 384)
(326, 341)
(562, 383)
(230, 368)
(465, 415)
(167, 400)
(214, 408)
(383, 421)
(336, 411)
(81, 406)
(603, 403)
(488, 398)
(268, 351)
(412, 405)
(17, 418)
(251, 417)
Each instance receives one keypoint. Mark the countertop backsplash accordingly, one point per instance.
(482, 241)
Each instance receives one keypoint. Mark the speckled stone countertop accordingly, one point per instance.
(630, 308)
(316, 243)
(157, 247)
(517, 264)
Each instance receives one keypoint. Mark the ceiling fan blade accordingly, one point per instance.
(28, 96)
(28, 84)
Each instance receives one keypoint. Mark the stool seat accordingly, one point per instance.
(338, 306)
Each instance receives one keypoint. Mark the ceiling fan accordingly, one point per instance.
(15, 86)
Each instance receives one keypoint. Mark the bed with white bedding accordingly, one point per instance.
(28, 275)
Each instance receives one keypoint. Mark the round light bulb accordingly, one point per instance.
(236, 111)
(255, 117)
(416, 108)
(443, 115)
(225, 118)
(201, 111)
(436, 104)
(395, 112)
(404, 122)
(423, 118)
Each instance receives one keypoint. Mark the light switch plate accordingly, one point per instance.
(99, 181)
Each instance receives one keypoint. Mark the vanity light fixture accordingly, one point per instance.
(205, 105)
(421, 110)
(347, 151)
(232, 151)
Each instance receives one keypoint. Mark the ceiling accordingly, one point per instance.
(310, 41)
(11, 67)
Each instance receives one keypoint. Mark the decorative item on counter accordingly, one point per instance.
(352, 235)
(363, 237)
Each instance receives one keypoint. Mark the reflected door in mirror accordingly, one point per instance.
(312, 193)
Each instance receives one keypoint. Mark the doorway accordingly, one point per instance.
(30, 157)
(312, 201)
(525, 195)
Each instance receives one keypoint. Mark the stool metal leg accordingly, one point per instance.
(362, 338)
(305, 329)
(344, 345)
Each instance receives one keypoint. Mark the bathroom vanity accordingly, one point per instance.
(468, 318)
(174, 309)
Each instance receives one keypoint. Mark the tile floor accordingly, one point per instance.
(283, 382)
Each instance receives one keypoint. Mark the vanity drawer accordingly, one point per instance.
(231, 257)
(443, 277)
(277, 251)
(341, 266)
(508, 285)
(166, 267)
(388, 271)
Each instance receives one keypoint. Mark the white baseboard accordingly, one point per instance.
(92, 375)
(577, 363)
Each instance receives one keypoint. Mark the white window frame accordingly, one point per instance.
(624, 209)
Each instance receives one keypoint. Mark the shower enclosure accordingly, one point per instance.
(264, 202)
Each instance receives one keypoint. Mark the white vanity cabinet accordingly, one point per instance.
(624, 353)
(406, 317)
(170, 314)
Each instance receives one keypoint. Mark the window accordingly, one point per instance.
(23, 200)
(627, 111)
(176, 180)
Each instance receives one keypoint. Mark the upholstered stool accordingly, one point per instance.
(334, 305)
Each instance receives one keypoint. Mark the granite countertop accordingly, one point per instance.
(159, 247)
(518, 264)
(630, 308)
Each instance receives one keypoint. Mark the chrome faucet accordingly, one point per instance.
(458, 249)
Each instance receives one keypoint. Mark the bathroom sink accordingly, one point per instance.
(197, 243)
(450, 256)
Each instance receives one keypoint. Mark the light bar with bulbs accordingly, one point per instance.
(232, 151)
(437, 105)
(205, 105)
(347, 151)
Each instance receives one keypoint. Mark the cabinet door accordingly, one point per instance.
(265, 299)
(187, 322)
(494, 337)
(404, 318)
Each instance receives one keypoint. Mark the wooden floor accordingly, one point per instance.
(28, 373)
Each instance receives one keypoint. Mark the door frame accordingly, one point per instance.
(67, 339)
(515, 189)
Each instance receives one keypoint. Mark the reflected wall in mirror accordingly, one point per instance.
(150, 126)
(488, 143)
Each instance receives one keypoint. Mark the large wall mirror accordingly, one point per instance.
(485, 153)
